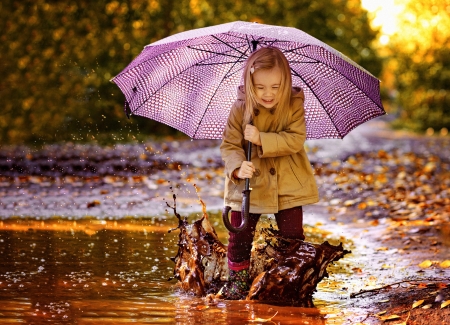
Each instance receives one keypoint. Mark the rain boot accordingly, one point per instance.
(237, 286)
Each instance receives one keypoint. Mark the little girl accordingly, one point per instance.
(269, 113)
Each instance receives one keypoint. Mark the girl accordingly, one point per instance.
(269, 113)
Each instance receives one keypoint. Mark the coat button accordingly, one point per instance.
(272, 171)
(257, 172)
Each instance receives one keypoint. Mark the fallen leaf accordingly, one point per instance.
(262, 320)
(427, 306)
(425, 264)
(93, 204)
(417, 303)
(202, 307)
(445, 304)
(382, 312)
(357, 270)
(362, 206)
(445, 264)
(390, 317)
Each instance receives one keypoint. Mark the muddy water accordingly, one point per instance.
(109, 272)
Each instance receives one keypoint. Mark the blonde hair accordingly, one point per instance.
(268, 58)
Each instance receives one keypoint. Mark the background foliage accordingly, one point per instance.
(420, 60)
(58, 56)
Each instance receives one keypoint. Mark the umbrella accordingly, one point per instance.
(188, 80)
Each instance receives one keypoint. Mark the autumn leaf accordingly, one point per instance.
(422, 285)
(445, 304)
(362, 206)
(262, 320)
(445, 264)
(93, 204)
(357, 270)
(390, 317)
(425, 264)
(417, 303)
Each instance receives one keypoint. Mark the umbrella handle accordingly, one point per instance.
(227, 223)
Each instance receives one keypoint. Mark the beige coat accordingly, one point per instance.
(284, 178)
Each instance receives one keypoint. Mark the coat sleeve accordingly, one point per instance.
(232, 146)
(291, 139)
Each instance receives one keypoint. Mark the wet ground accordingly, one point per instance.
(84, 232)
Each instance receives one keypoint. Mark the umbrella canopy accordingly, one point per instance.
(189, 80)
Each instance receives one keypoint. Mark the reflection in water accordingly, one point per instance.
(108, 272)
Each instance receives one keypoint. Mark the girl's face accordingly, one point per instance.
(267, 84)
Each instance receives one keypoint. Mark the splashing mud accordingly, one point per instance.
(282, 271)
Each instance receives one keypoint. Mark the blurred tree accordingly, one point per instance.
(58, 56)
(421, 63)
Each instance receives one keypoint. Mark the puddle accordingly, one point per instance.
(108, 272)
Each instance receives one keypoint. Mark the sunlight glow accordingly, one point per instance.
(384, 15)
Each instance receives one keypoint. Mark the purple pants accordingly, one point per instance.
(290, 225)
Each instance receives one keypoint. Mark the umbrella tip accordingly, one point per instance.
(254, 45)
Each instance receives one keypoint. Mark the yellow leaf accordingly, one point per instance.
(445, 304)
(425, 264)
(382, 312)
(262, 320)
(445, 264)
(417, 303)
(362, 206)
(390, 317)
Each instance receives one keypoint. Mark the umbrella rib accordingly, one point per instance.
(318, 99)
(145, 61)
(211, 98)
(218, 63)
(223, 42)
(181, 72)
(337, 71)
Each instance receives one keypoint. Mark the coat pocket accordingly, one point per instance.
(295, 171)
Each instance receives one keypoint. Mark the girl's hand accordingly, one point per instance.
(246, 170)
(251, 133)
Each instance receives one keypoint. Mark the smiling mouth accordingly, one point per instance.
(267, 101)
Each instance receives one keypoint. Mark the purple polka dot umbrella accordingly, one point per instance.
(189, 80)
